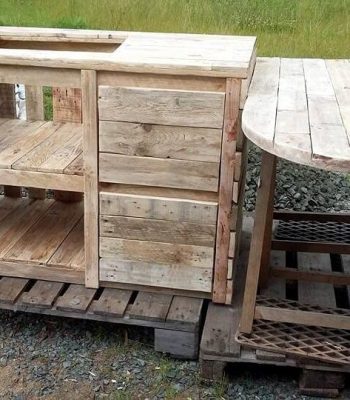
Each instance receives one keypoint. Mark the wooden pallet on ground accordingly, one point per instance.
(219, 346)
(176, 320)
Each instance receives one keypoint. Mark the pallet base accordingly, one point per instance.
(176, 320)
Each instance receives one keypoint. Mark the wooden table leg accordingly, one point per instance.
(261, 238)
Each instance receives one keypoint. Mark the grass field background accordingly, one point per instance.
(314, 28)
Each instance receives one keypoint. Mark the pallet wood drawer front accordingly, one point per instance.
(157, 241)
(161, 106)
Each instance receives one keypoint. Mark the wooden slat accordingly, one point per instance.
(39, 76)
(185, 311)
(44, 236)
(157, 230)
(90, 146)
(171, 209)
(42, 294)
(182, 174)
(328, 135)
(7, 101)
(76, 167)
(66, 104)
(34, 102)
(147, 140)
(175, 276)
(11, 288)
(112, 302)
(7, 205)
(77, 298)
(162, 107)
(263, 91)
(19, 221)
(71, 251)
(320, 294)
(42, 180)
(61, 147)
(158, 252)
(231, 124)
(151, 306)
(276, 286)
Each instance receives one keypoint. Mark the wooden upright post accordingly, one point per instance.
(228, 150)
(90, 148)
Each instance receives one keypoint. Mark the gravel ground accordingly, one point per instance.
(58, 359)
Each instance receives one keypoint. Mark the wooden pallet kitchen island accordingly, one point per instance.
(136, 183)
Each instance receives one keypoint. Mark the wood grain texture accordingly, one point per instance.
(231, 124)
(182, 174)
(162, 107)
(156, 275)
(157, 230)
(159, 252)
(151, 306)
(164, 208)
(43, 294)
(90, 147)
(112, 302)
(149, 140)
(67, 104)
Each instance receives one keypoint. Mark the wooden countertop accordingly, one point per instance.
(159, 53)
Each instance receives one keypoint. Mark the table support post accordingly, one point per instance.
(259, 254)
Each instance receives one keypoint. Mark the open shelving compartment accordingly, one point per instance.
(41, 171)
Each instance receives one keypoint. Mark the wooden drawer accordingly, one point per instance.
(163, 138)
(157, 241)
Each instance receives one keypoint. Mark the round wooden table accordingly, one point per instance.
(299, 110)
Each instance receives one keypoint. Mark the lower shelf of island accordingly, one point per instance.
(41, 154)
(42, 239)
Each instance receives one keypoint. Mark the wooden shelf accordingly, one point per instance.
(41, 154)
(42, 238)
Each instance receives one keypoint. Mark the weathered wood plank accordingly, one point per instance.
(158, 252)
(162, 107)
(76, 298)
(112, 302)
(185, 311)
(171, 209)
(11, 289)
(157, 230)
(182, 174)
(151, 306)
(175, 276)
(148, 140)
(43, 294)
(67, 104)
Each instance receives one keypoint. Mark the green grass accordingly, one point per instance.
(314, 28)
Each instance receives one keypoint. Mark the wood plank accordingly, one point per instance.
(315, 293)
(7, 205)
(38, 271)
(67, 104)
(157, 230)
(162, 107)
(112, 302)
(11, 289)
(39, 76)
(334, 278)
(42, 294)
(185, 311)
(276, 286)
(45, 235)
(61, 147)
(34, 102)
(182, 174)
(42, 180)
(151, 274)
(148, 140)
(76, 167)
(7, 100)
(263, 95)
(71, 251)
(231, 124)
(90, 146)
(77, 298)
(151, 306)
(329, 138)
(19, 221)
(158, 252)
(171, 209)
